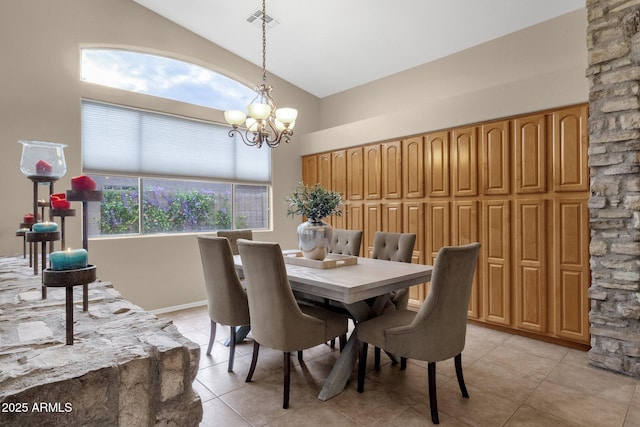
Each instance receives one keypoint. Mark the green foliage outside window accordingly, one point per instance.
(165, 211)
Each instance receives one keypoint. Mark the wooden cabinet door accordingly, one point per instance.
(355, 220)
(413, 167)
(495, 157)
(372, 223)
(372, 172)
(339, 172)
(437, 164)
(571, 273)
(392, 217)
(464, 161)
(530, 146)
(496, 261)
(530, 265)
(324, 170)
(570, 145)
(413, 222)
(391, 170)
(438, 229)
(355, 174)
(310, 169)
(464, 230)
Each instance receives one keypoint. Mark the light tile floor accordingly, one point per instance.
(512, 381)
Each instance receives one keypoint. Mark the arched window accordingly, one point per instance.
(164, 77)
(159, 170)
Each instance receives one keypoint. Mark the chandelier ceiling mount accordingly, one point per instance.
(265, 123)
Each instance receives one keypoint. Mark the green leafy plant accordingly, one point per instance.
(314, 202)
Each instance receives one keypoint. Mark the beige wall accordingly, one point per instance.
(538, 68)
(533, 69)
(40, 98)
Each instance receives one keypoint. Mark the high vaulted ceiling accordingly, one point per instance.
(327, 46)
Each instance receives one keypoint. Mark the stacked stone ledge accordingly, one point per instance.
(125, 368)
(613, 42)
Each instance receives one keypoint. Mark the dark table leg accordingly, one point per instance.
(44, 265)
(35, 258)
(69, 316)
(85, 297)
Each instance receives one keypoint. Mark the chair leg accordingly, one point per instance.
(433, 400)
(300, 355)
(458, 363)
(343, 341)
(232, 347)
(332, 343)
(394, 361)
(287, 379)
(212, 337)
(254, 361)
(403, 363)
(376, 358)
(362, 365)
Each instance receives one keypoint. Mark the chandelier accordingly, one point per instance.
(266, 124)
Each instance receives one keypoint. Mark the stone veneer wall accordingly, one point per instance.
(125, 368)
(613, 42)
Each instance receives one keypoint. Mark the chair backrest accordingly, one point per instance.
(276, 320)
(227, 299)
(393, 246)
(233, 236)
(439, 329)
(345, 242)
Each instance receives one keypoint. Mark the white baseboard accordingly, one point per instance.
(179, 307)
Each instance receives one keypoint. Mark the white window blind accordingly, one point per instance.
(124, 140)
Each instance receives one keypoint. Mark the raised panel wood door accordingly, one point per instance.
(464, 230)
(392, 217)
(571, 274)
(324, 170)
(437, 164)
(372, 223)
(372, 172)
(496, 261)
(438, 229)
(531, 265)
(391, 170)
(530, 144)
(310, 169)
(413, 168)
(339, 172)
(413, 222)
(355, 217)
(570, 145)
(495, 158)
(464, 161)
(355, 174)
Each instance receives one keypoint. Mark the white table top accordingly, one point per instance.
(351, 283)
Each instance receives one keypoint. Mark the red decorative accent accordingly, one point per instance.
(83, 182)
(59, 201)
(28, 218)
(43, 167)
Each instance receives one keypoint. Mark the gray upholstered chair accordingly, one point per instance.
(277, 321)
(396, 247)
(233, 236)
(436, 332)
(345, 242)
(227, 299)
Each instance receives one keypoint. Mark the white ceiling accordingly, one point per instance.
(327, 46)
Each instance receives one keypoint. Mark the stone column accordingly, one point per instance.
(613, 42)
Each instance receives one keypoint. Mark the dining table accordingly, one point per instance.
(361, 289)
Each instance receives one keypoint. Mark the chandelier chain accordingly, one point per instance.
(264, 42)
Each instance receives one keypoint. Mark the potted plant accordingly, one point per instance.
(314, 203)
